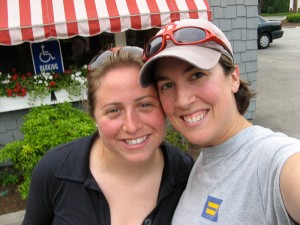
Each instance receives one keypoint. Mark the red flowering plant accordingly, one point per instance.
(40, 85)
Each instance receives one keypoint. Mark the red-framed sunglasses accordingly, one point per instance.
(99, 59)
(180, 36)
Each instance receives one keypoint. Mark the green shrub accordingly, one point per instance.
(176, 138)
(293, 18)
(8, 178)
(45, 127)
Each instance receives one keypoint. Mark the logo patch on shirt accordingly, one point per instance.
(211, 208)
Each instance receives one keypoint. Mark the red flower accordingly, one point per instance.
(9, 92)
(28, 74)
(23, 77)
(14, 70)
(14, 77)
(17, 89)
(52, 84)
(56, 76)
(67, 71)
(23, 92)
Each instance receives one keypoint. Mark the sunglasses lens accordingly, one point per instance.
(153, 47)
(189, 35)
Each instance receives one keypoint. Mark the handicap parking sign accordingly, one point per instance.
(46, 56)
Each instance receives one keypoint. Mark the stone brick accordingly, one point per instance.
(241, 10)
(252, 11)
(252, 76)
(244, 77)
(240, 2)
(251, 44)
(251, 67)
(218, 13)
(244, 34)
(240, 22)
(5, 116)
(239, 46)
(19, 113)
(237, 58)
(20, 122)
(230, 12)
(17, 135)
(11, 124)
(242, 67)
(231, 2)
(252, 34)
(224, 3)
(3, 127)
(246, 56)
(253, 85)
(213, 3)
(6, 138)
(225, 25)
(251, 2)
(236, 34)
(252, 23)
(254, 55)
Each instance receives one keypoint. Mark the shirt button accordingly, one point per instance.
(148, 222)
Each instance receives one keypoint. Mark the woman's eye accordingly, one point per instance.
(166, 86)
(145, 104)
(197, 75)
(115, 110)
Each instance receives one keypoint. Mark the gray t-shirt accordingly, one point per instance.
(237, 182)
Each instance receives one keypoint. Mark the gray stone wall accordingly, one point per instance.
(238, 20)
(10, 124)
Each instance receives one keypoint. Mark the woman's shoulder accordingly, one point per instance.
(56, 156)
(264, 134)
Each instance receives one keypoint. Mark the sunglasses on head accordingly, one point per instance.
(180, 36)
(99, 59)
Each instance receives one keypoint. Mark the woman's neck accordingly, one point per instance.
(104, 160)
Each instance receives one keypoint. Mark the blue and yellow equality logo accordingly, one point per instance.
(211, 208)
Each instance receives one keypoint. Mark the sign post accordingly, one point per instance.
(46, 56)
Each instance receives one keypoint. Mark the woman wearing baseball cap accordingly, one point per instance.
(245, 174)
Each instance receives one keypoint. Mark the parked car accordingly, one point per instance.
(267, 31)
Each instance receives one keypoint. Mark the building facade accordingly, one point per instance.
(236, 18)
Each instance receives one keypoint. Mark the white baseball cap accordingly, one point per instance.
(202, 55)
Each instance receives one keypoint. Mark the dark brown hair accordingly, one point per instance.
(244, 94)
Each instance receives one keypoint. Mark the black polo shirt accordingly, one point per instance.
(63, 190)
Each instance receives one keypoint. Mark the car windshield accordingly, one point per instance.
(262, 20)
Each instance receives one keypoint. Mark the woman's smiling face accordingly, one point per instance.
(199, 103)
(130, 119)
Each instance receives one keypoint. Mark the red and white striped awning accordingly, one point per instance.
(39, 20)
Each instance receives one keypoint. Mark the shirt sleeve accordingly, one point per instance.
(274, 154)
(39, 210)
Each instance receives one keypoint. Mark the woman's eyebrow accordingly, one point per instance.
(160, 77)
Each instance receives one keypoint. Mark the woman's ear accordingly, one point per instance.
(235, 77)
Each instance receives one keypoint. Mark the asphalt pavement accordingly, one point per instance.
(278, 93)
(278, 84)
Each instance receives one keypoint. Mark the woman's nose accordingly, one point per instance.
(132, 122)
(184, 97)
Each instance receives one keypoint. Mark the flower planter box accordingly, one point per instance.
(16, 103)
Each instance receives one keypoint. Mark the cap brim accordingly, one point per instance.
(201, 57)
